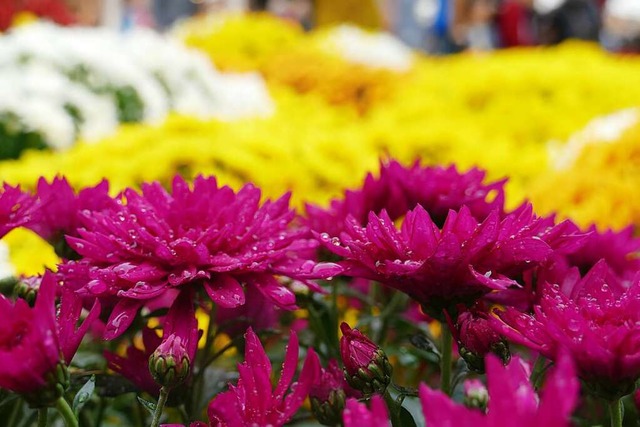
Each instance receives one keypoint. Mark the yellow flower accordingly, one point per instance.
(601, 186)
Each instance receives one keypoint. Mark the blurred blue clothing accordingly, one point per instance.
(166, 12)
(424, 25)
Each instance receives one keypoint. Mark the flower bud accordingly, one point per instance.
(27, 289)
(366, 366)
(328, 395)
(475, 395)
(476, 338)
(169, 364)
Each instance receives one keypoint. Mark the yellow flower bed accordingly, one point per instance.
(601, 186)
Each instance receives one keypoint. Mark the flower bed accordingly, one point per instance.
(405, 291)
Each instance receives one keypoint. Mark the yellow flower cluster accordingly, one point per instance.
(285, 55)
(240, 42)
(500, 110)
(600, 187)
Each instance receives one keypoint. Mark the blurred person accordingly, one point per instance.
(214, 6)
(258, 5)
(86, 12)
(515, 23)
(473, 24)
(421, 24)
(621, 26)
(136, 13)
(167, 12)
(300, 11)
(559, 20)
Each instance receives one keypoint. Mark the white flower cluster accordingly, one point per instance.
(68, 83)
(373, 49)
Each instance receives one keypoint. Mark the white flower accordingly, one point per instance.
(376, 50)
(6, 268)
(69, 80)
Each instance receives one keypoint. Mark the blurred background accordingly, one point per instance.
(433, 26)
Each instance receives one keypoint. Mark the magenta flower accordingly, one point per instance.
(329, 393)
(476, 338)
(512, 400)
(459, 263)
(251, 402)
(595, 319)
(30, 346)
(33, 342)
(400, 188)
(16, 208)
(357, 414)
(618, 248)
(366, 366)
(58, 211)
(331, 379)
(206, 237)
(171, 362)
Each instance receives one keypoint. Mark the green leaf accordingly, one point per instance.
(149, 406)
(84, 394)
(406, 419)
(424, 343)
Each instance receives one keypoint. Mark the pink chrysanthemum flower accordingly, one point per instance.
(252, 402)
(440, 268)
(595, 319)
(58, 211)
(206, 236)
(400, 188)
(33, 341)
(357, 414)
(620, 249)
(16, 208)
(512, 400)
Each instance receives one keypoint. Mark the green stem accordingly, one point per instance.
(615, 409)
(100, 412)
(183, 414)
(445, 361)
(17, 408)
(394, 409)
(66, 412)
(42, 417)
(162, 400)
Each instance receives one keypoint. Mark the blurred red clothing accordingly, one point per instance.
(55, 10)
(515, 25)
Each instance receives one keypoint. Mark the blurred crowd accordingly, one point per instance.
(434, 26)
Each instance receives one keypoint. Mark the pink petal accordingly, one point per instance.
(225, 291)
